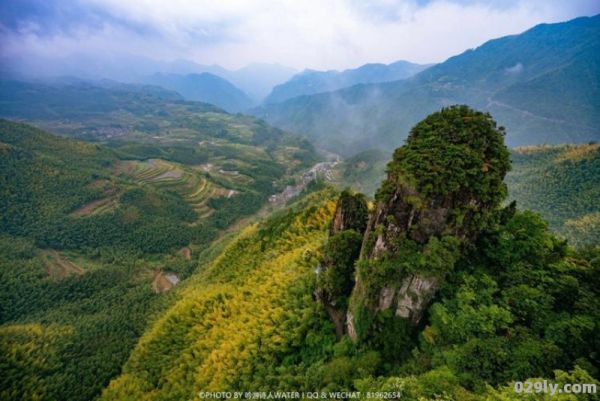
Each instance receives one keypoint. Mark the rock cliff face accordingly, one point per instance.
(441, 191)
(351, 213)
(336, 273)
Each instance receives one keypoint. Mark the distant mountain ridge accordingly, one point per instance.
(256, 79)
(543, 85)
(204, 87)
(310, 82)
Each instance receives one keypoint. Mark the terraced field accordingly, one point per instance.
(59, 267)
(192, 184)
(103, 204)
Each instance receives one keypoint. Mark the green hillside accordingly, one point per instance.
(248, 322)
(93, 235)
(73, 195)
(542, 85)
(363, 172)
(69, 281)
(111, 112)
(560, 182)
(217, 160)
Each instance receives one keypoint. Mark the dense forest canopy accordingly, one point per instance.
(419, 232)
(519, 303)
(89, 232)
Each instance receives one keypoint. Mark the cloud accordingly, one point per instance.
(303, 34)
(515, 69)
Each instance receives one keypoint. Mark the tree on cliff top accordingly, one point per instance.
(443, 189)
(457, 152)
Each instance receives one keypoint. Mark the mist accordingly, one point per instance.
(125, 41)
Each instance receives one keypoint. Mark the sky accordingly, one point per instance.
(316, 34)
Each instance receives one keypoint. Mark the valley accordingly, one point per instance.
(172, 229)
(104, 232)
(144, 215)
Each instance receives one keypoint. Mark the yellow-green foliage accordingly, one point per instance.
(29, 354)
(585, 228)
(236, 320)
(577, 375)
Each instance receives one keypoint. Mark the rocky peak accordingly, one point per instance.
(442, 188)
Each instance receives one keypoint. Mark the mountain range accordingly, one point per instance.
(153, 247)
(204, 87)
(309, 82)
(256, 80)
(542, 85)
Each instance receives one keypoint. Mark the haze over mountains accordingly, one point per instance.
(255, 80)
(158, 241)
(204, 87)
(232, 90)
(309, 82)
(542, 85)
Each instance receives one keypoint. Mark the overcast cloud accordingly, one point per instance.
(319, 34)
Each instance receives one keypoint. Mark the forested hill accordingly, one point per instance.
(513, 303)
(64, 194)
(561, 183)
(75, 290)
(195, 160)
(542, 85)
(558, 181)
(93, 237)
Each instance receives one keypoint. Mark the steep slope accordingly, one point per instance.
(204, 87)
(441, 191)
(252, 319)
(69, 282)
(310, 82)
(543, 85)
(246, 321)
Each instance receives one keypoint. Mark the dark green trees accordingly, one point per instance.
(336, 275)
(450, 172)
(442, 189)
(351, 213)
